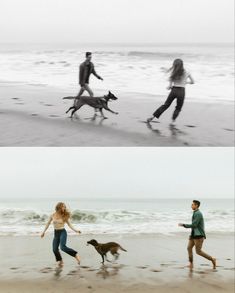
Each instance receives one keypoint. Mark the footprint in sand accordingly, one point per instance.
(48, 105)
(34, 114)
(144, 121)
(228, 129)
(165, 264)
(142, 267)
(155, 271)
(72, 273)
(200, 272)
(15, 98)
(85, 267)
(54, 116)
(19, 103)
(229, 269)
(14, 268)
(191, 126)
(204, 265)
(46, 270)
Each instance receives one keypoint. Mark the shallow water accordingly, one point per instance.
(136, 69)
(135, 216)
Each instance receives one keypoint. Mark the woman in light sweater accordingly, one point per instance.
(59, 219)
(178, 79)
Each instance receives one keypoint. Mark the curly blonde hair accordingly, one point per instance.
(65, 214)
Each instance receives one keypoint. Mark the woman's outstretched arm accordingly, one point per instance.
(47, 225)
(71, 227)
(190, 79)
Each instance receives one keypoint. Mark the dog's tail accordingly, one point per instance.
(69, 98)
(122, 248)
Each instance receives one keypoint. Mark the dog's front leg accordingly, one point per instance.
(107, 108)
(71, 108)
(102, 258)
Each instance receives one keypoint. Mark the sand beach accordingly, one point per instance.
(34, 115)
(152, 263)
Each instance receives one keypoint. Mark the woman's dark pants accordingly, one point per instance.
(60, 238)
(177, 93)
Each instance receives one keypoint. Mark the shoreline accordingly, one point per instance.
(35, 116)
(161, 265)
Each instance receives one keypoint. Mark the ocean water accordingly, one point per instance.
(137, 69)
(116, 216)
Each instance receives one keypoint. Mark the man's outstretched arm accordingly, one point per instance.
(95, 74)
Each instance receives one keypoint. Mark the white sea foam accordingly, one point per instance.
(145, 216)
(125, 69)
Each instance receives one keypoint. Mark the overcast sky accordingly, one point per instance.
(116, 21)
(117, 172)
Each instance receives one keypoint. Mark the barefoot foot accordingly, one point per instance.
(60, 263)
(214, 263)
(77, 258)
(149, 120)
(190, 266)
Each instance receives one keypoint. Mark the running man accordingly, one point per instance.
(85, 70)
(197, 235)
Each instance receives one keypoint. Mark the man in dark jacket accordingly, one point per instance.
(197, 235)
(85, 70)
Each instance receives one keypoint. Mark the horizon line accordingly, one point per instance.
(123, 43)
(119, 198)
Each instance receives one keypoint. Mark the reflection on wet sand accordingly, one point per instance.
(109, 271)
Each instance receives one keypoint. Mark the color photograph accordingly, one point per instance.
(117, 220)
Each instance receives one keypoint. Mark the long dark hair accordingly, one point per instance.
(177, 70)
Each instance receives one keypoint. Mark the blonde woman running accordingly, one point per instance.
(59, 219)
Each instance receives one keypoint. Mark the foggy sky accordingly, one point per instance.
(109, 21)
(117, 172)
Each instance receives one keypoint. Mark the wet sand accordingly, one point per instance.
(152, 263)
(34, 115)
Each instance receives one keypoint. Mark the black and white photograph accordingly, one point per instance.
(117, 73)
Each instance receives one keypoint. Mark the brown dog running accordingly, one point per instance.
(103, 249)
